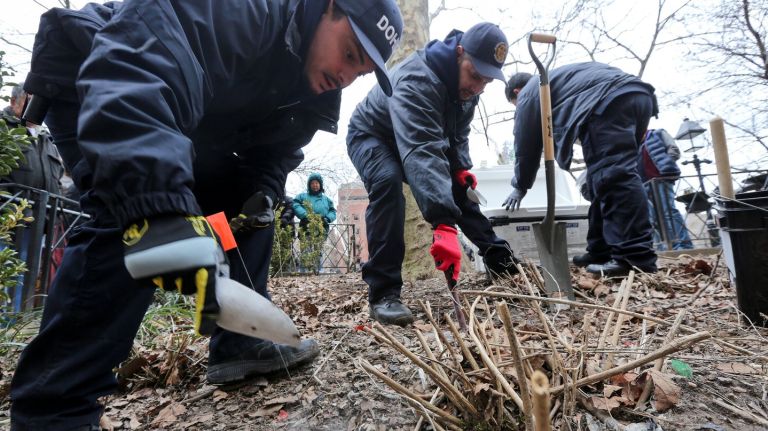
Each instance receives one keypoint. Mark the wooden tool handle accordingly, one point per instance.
(543, 38)
(722, 162)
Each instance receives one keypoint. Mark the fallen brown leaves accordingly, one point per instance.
(165, 376)
(591, 361)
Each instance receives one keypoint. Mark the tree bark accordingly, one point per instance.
(418, 264)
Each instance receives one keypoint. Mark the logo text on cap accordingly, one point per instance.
(389, 31)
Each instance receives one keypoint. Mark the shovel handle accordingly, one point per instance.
(543, 38)
(544, 93)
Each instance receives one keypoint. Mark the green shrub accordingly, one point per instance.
(291, 251)
(12, 140)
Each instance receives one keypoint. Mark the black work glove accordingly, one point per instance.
(326, 221)
(257, 213)
(178, 253)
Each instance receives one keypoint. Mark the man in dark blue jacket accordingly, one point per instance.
(182, 109)
(420, 135)
(608, 110)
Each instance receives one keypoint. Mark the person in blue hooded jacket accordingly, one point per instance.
(169, 110)
(420, 136)
(318, 201)
(657, 164)
(608, 111)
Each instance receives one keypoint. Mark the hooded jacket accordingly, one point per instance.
(578, 90)
(658, 156)
(425, 124)
(321, 204)
(41, 167)
(186, 82)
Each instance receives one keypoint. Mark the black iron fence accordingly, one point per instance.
(40, 243)
(338, 253)
(695, 225)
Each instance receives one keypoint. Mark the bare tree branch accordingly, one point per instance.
(15, 44)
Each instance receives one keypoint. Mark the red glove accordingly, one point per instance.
(465, 178)
(445, 249)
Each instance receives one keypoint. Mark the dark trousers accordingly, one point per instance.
(668, 215)
(380, 168)
(618, 216)
(93, 313)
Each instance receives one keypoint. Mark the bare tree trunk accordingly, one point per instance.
(418, 234)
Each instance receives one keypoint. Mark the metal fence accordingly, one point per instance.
(693, 193)
(339, 254)
(40, 244)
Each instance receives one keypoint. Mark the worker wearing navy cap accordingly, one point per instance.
(420, 136)
(168, 110)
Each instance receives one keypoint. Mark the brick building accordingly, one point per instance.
(353, 200)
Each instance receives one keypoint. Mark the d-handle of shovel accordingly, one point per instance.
(540, 66)
(544, 93)
(453, 288)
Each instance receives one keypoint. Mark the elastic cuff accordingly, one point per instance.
(153, 204)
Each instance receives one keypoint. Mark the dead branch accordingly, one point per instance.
(488, 362)
(514, 347)
(540, 389)
(659, 364)
(397, 387)
(673, 347)
(450, 391)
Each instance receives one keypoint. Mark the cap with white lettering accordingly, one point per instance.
(378, 26)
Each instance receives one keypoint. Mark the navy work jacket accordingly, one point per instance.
(578, 90)
(167, 84)
(426, 128)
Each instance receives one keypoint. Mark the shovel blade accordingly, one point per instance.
(244, 311)
(553, 255)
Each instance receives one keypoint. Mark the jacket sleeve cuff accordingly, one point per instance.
(154, 204)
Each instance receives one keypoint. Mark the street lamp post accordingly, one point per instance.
(689, 130)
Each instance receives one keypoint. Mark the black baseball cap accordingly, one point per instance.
(378, 26)
(487, 48)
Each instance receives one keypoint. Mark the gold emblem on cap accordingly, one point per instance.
(500, 52)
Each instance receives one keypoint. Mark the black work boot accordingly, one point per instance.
(390, 311)
(612, 268)
(263, 357)
(587, 259)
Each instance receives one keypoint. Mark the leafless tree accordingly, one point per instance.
(732, 49)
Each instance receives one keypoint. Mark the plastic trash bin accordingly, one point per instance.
(744, 228)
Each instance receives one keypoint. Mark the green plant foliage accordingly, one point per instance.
(169, 313)
(283, 261)
(292, 251)
(681, 368)
(12, 140)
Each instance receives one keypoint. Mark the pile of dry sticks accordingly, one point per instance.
(535, 372)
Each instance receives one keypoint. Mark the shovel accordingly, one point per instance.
(550, 235)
